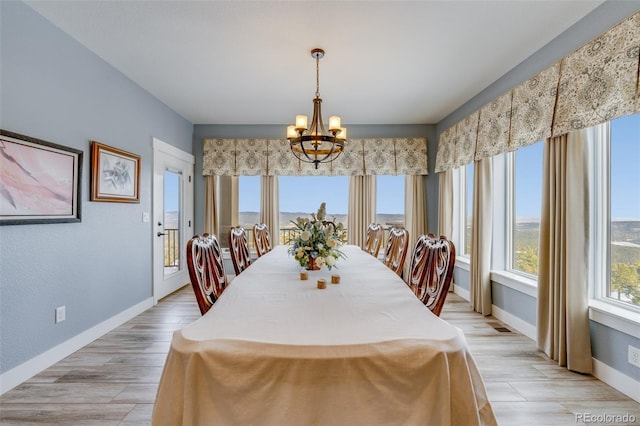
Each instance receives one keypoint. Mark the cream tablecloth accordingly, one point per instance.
(275, 350)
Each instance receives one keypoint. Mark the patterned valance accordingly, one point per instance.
(467, 135)
(273, 157)
(532, 108)
(598, 82)
(493, 128)
(446, 150)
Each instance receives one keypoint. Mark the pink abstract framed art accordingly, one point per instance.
(40, 181)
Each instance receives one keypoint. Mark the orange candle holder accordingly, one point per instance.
(322, 283)
(335, 279)
(304, 275)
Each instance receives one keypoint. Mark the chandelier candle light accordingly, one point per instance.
(313, 144)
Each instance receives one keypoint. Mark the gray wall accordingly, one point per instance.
(201, 131)
(609, 346)
(53, 88)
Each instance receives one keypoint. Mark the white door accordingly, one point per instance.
(172, 217)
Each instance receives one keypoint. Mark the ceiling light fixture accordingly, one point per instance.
(313, 144)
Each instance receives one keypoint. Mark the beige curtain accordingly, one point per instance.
(270, 206)
(362, 207)
(563, 315)
(211, 204)
(445, 208)
(415, 213)
(481, 230)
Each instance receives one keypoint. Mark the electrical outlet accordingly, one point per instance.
(634, 356)
(60, 314)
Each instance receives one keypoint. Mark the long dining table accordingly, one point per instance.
(276, 350)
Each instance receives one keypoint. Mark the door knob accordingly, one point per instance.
(160, 234)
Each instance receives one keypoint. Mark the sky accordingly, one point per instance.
(625, 170)
(305, 193)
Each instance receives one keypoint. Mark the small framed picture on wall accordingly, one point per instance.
(115, 174)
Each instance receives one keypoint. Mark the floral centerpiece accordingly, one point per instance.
(318, 242)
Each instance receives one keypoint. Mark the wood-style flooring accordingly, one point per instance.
(113, 380)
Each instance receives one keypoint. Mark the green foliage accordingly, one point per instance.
(625, 281)
(526, 259)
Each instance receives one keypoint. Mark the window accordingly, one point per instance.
(526, 196)
(468, 207)
(390, 200)
(623, 218)
(249, 204)
(462, 211)
(301, 195)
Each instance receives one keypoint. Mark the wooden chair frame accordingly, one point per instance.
(373, 241)
(396, 250)
(431, 270)
(239, 249)
(261, 238)
(206, 270)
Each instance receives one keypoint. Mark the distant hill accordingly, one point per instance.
(250, 218)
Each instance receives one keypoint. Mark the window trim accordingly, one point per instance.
(604, 310)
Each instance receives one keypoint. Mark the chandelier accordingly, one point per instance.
(313, 144)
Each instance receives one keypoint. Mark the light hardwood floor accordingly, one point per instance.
(113, 380)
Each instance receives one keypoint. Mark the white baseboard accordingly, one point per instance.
(35, 365)
(462, 292)
(515, 322)
(601, 371)
(504, 316)
(617, 380)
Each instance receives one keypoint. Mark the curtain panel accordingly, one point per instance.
(273, 157)
(362, 208)
(415, 208)
(563, 308)
(598, 82)
(269, 207)
(481, 237)
(211, 219)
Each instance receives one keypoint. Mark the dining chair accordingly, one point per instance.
(239, 249)
(431, 270)
(206, 270)
(373, 240)
(261, 238)
(395, 252)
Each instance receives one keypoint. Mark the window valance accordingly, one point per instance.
(598, 82)
(272, 157)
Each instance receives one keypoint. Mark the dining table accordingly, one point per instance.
(275, 349)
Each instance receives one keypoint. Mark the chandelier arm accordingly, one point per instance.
(315, 155)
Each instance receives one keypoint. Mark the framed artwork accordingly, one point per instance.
(40, 181)
(115, 174)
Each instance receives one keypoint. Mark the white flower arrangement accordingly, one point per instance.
(318, 243)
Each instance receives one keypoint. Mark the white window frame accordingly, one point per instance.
(510, 188)
(603, 309)
(459, 216)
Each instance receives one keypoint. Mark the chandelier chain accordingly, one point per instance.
(317, 77)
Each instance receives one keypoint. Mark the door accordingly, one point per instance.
(172, 217)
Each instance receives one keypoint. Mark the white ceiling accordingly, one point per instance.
(248, 62)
